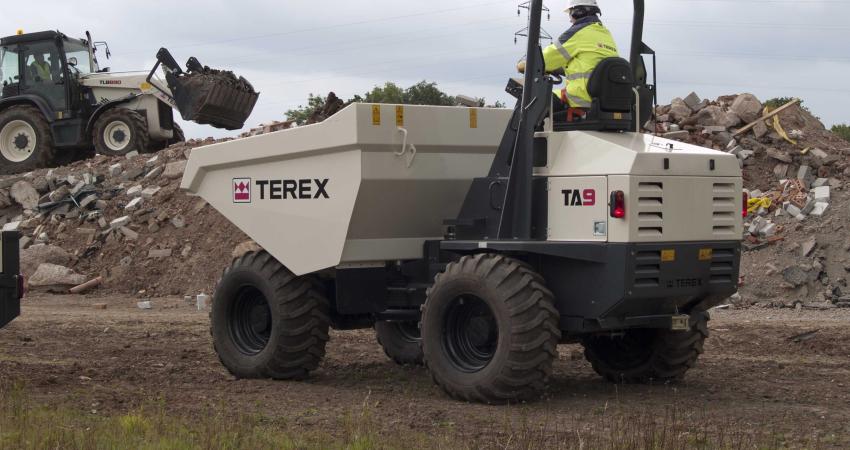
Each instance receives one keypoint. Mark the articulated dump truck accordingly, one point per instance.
(477, 240)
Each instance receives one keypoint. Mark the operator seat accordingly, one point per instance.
(613, 100)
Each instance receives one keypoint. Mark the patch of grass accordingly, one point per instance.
(27, 425)
(842, 130)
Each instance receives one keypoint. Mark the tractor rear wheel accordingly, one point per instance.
(120, 131)
(267, 322)
(647, 355)
(26, 142)
(401, 341)
(490, 330)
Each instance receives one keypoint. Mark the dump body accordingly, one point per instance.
(374, 182)
(370, 184)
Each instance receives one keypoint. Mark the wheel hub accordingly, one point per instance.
(250, 321)
(471, 334)
(117, 135)
(17, 141)
(22, 141)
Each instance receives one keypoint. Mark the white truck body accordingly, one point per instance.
(374, 182)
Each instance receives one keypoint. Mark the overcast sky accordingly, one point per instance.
(291, 49)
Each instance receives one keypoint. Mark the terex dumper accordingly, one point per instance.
(477, 240)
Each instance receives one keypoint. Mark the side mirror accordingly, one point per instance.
(72, 61)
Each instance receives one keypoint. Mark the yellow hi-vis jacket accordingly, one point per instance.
(42, 70)
(577, 52)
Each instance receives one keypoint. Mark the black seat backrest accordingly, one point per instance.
(611, 83)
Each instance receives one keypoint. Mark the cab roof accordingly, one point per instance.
(32, 37)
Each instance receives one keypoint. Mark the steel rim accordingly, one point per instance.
(117, 135)
(471, 334)
(250, 321)
(17, 141)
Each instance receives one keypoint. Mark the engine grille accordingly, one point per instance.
(724, 210)
(650, 209)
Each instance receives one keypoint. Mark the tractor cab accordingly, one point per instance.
(45, 68)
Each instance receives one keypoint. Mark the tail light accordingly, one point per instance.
(618, 204)
(746, 205)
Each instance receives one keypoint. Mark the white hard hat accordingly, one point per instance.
(574, 3)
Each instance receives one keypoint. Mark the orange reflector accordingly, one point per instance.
(668, 255)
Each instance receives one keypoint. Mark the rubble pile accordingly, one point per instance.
(796, 250)
(120, 219)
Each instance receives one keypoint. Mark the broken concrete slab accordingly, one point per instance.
(780, 155)
(150, 192)
(159, 253)
(821, 194)
(134, 203)
(819, 209)
(129, 234)
(175, 169)
(747, 107)
(795, 276)
(154, 173)
(24, 194)
(55, 276)
(37, 255)
(135, 191)
(692, 100)
(677, 135)
(807, 247)
(119, 222)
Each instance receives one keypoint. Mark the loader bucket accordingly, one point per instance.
(208, 96)
(212, 100)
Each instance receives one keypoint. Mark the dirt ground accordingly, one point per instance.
(752, 379)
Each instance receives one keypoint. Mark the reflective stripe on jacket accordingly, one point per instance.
(578, 52)
(42, 70)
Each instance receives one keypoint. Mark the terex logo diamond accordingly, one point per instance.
(241, 190)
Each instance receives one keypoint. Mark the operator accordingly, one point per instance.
(577, 53)
(41, 68)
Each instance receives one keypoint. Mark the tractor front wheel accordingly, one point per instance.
(26, 142)
(120, 131)
(490, 330)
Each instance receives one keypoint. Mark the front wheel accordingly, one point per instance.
(120, 131)
(267, 322)
(647, 355)
(490, 330)
(26, 142)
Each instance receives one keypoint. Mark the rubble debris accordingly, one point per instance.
(803, 337)
(55, 278)
(144, 305)
(82, 288)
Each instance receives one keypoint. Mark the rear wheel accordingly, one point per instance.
(120, 131)
(401, 341)
(647, 355)
(490, 330)
(25, 139)
(267, 322)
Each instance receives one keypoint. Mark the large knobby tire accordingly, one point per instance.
(26, 142)
(647, 355)
(120, 131)
(267, 322)
(401, 341)
(490, 330)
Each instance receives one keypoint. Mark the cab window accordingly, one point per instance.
(9, 68)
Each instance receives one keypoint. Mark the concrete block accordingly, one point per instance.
(144, 305)
(88, 200)
(132, 154)
(803, 173)
(768, 230)
(781, 170)
(115, 170)
(159, 253)
(129, 234)
(692, 100)
(821, 194)
(201, 301)
(152, 162)
(135, 191)
(819, 209)
(820, 182)
(154, 173)
(119, 222)
(710, 129)
(818, 153)
(792, 210)
(175, 169)
(150, 192)
(678, 135)
(134, 203)
(746, 154)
